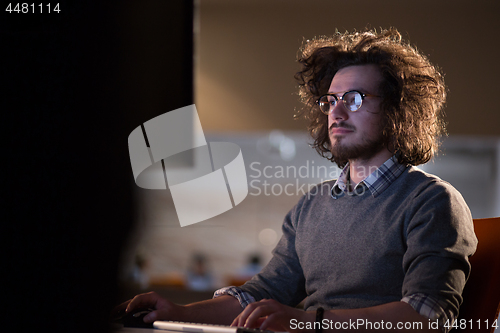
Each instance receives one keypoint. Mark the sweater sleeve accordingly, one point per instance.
(440, 238)
(282, 279)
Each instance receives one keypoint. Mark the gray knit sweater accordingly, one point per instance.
(359, 250)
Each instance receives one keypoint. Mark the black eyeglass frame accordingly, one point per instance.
(334, 95)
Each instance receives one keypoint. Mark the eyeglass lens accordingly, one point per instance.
(352, 101)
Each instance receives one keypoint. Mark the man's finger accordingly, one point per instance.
(254, 319)
(119, 309)
(151, 317)
(143, 301)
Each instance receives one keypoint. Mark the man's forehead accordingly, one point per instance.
(365, 78)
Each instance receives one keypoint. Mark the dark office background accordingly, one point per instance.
(66, 177)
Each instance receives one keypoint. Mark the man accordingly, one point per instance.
(386, 243)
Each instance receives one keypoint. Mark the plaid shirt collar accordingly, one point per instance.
(376, 182)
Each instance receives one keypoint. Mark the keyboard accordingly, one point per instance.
(203, 328)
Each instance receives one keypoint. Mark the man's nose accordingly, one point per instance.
(338, 112)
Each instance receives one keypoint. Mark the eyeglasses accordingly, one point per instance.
(352, 101)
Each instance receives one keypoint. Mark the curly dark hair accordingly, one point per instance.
(413, 90)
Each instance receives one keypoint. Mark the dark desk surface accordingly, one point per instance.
(142, 330)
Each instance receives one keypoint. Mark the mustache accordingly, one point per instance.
(341, 124)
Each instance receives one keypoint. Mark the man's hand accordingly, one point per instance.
(163, 308)
(269, 314)
(220, 311)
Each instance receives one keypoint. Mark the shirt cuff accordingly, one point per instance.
(242, 296)
(432, 308)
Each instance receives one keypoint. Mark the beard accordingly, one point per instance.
(362, 151)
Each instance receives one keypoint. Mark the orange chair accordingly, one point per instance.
(482, 291)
